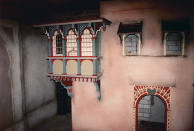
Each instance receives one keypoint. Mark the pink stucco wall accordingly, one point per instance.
(121, 73)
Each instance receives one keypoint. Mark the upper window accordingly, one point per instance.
(86, 43)
(130, 35)
(57, 44)
(174, 43)
(131, 44)
(175, 34)
(71, 43)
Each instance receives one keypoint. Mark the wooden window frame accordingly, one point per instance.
(82, 42)
(54, 44)
(74, 48)
(182, 44)
(124, 43)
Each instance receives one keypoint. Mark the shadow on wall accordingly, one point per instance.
(6, 117)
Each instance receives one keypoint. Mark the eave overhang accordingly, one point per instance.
(130, 28)
(176, 26)
(86, 21)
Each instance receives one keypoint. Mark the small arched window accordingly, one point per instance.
(174, 41)
(57, 44)
(131, 44)
(86, 43)
(71, 43)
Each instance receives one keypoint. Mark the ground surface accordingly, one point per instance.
(56, 123)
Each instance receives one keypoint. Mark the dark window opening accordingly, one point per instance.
(58, 44)
(63, 100)
(151, 114)
(174, 43)
(131, 44)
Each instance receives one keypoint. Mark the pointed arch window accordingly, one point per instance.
(71, 43)
(57, 44)
(130, 35)
(86, 43)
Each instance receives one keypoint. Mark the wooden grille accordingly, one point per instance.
(86, 43)
(131, 44)
(71, 44)
(57, 45)
(173, 43)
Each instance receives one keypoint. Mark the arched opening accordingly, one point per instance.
(57, 44)
(174, 43)
(86, 43)
(63, 100)
(71, 43)
(131, 44)
(151, 114)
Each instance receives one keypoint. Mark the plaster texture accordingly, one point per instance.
(28, 96)
(121, 73)
(9, 35)
(35, 51)
(6, 117)
(40, 92)
(56, 123)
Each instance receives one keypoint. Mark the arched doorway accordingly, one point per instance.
(160, 93)
(151, 114)
(63, 100)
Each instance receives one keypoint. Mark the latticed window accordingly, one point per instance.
(174, 43)
(57, 44)
(86, 43)
(71, 44)
(131, 44)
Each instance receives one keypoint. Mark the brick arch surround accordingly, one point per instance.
(161, 92)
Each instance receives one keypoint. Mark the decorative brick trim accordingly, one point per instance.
(160, 91)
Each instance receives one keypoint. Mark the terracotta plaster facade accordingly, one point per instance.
(121, 73)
